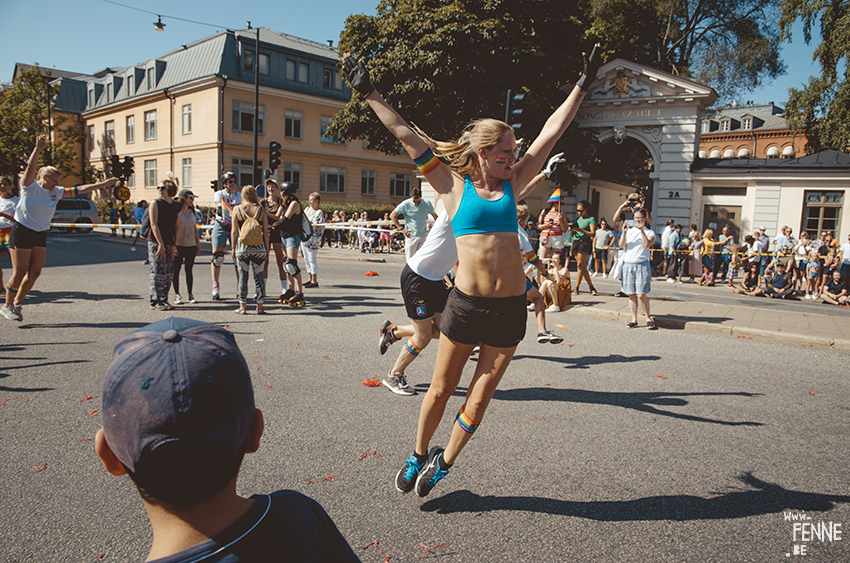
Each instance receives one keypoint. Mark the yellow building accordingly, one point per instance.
(191, 112)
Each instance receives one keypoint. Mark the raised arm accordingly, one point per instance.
(557, 123)
(32, 163)
(438, 174)
(79, 190)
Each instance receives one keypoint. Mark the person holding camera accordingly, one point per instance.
(636, 242)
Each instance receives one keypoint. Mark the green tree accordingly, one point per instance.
(23, 116)
(732, 46)
(821, 109)
(443, 63)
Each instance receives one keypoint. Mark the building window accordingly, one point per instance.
(331, 79)
(332, 180)
(292, 174)
(297, 72)
(747, 123)
(187, 172)
(292, 124)
(109, 134)
(326, 122)
(822, 212)
(788, 152)
(724, 125)
(772, 152)
(91, 137)
(367, 183)
(150, 173)
(110, 92)
(150, 125)
(151, 77)
(400, 185)
(244, 170)
(131, 85)
(249, 62)
(243, 117)
(131, 129)
(187, 119)
(705, 127)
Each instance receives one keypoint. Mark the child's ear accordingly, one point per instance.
(256, 432)
(110, 462)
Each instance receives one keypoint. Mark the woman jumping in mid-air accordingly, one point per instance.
(488, 303)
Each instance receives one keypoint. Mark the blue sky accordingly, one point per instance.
(88, 35)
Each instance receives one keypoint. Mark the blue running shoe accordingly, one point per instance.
(432, 473)
(406, 478)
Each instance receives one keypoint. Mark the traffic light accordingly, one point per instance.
(214, 185)
(274, 155)
(513, 111)
(129, 166)
(117, 167)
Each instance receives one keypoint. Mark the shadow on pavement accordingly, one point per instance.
(587, 361)
(763, 498)
(38, 297)
(644, 402)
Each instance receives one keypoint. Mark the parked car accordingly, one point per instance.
(76, 210)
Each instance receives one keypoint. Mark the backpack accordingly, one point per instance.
(145, 229)
(251, 233)
(306, 227)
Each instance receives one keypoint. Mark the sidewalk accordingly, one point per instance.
(814, 329)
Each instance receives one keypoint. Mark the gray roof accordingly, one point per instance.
(827, 160)
(762, 111)
(215, 55)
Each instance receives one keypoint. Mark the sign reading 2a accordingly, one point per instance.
(673, 195)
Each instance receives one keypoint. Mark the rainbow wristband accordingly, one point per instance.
(426, 162)
(534, 259)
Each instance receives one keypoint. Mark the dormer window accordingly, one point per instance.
(151, 78)
(705, 127)
(747, 123)
(110, 92)
(724, 125)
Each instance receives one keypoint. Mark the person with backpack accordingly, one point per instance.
(249, 240)
(291, 231)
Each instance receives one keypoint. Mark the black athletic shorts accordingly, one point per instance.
(274, 235)
(22, 237)
(494, 321)
(581, 247)
(423, 298)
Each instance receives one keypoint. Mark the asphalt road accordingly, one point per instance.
(616, 445)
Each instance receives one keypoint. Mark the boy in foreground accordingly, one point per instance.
(178, 417)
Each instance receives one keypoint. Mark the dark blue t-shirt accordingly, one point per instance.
(283, 526)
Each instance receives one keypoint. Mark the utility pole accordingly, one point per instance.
(258, 172)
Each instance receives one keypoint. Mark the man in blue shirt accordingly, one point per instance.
(415, 228)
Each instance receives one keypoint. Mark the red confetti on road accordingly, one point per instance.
(258, 366)
(660, 377)
(562, 326)
(267, 386)
(361, 457)
(547, 384)
(570, 345)
(298, 345)
(42, 468)
(375, 543)
(811, 392)
(265, 373)
(9, 399)
(370, 273)
(540, 418)
(92, 413)
(101, 556)
(329, 477)
(84, 440)
(90, 397)
(326, 357)
(373, 382)
(427, 549)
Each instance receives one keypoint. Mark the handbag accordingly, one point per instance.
(617, 269)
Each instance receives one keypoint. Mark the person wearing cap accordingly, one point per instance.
(188, 243)
(223, 202)
(184, 455)
(552, 224)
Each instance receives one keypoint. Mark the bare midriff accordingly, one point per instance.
(489, 265)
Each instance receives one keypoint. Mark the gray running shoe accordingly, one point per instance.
(405, 480)
(397, 383)
(548, 336)
(387, 337)
(11, 313)
(431, 474)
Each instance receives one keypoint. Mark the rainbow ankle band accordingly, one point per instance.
(412, 348)
(426, 162)
(466, 422)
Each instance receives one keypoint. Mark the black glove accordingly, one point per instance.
(591, 67)
(357, 75)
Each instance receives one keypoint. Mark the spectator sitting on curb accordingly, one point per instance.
(752, 282)
(184, 456)
(779, 284)
(835, 290)
(707, 279)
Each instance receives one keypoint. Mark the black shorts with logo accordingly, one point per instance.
(423, 298)
(494, 321)
(22, 237)
(581, 246)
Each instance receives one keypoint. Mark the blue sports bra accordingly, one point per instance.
(478, 215)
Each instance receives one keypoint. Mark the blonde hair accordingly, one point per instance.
(249, 193)
(708, 233)
(522, 213)
(48, 171)
(463, 154)
(315, 195)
